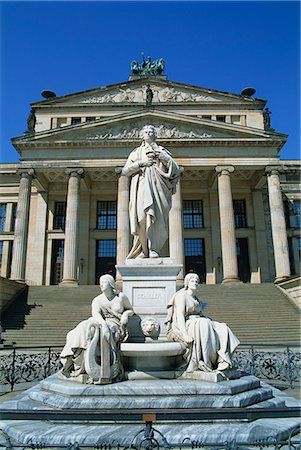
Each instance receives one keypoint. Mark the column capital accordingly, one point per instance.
(274, 170)
(25, 173)
(224, 170)
(75, 172)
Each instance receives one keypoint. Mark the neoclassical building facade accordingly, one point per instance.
(64, 207)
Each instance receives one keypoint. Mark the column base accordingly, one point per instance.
(18, 280)
(280, 279)
(232, 280)
(69, 283)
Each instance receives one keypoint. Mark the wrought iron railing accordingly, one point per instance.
(276, 364)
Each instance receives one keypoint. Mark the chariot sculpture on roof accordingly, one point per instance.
(148, 67)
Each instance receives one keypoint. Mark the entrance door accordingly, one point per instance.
(195, 257)
(57, 261)
(242, 252)
(105, 258)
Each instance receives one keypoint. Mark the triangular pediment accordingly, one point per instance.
(127, 127)
(134, 92)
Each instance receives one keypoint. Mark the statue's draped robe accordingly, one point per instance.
(150, 198)
(77, 342)
(213, 342)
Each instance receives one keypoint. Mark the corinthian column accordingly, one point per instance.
(230, 269)
(123, 224)
(21, 226)
(281, 255)
(71, 229)
(176, 248)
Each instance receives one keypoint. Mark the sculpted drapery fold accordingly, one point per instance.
(154, 175)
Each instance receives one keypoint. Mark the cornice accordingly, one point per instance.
(146, 114)
(151, 80)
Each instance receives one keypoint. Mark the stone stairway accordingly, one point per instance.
(259, 314)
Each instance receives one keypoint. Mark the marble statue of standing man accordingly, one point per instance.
(154, 175)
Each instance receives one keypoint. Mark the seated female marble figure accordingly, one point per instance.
(110, 313)
(209, 344)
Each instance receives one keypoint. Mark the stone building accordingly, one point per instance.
(64, 206)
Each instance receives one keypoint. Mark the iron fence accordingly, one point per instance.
(276, 364)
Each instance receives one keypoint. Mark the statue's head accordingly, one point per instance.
(191, 281)
(148, 133)
(106, 281)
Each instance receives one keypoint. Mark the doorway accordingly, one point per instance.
(195, 257)
(57, 261)
(243, 262)
(105, 258)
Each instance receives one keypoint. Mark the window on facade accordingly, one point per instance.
(193, 214)
(106, 247)
(75, 120)
(235, 120)
(221, 118)
(61, 122)
(297, 212)
(90, 119)
(206, 117)
(59, 218)
(1, 253)
(286, 206)
(2, 216)
(299, 247)
(106, 215)
(193, 247)
(14, 216)
(240, 213)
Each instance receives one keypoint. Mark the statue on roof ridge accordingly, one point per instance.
(148, 67)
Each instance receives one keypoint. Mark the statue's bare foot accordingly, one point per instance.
(141, 255)
(153, 254)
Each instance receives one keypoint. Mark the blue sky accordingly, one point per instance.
(73, 46)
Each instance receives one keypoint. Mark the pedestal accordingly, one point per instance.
(149, 284)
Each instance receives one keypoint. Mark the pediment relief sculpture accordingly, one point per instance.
(161, 95)
(133, 131)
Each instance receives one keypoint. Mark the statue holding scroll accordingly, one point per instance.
(154, 175)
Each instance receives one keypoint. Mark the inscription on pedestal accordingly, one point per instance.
(143, 296)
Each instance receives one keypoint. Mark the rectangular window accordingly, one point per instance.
(59, 218)
(221, 118)
(193, 247)
(106, 215)
(1, 253)
(235, 120)
(61, 122)
(106, 247)
(297, 212)
(14, 216)
(240, 213)
(90, 119)
(193, 214)
(286, 206)
(195, 260)
(75, 120)
(2, 216)
(206, 117)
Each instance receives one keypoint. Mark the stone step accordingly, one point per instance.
(53, 394)
(256, 313)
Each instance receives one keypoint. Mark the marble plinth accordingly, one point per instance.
(154, 356)
(54, 394)
(149, 283)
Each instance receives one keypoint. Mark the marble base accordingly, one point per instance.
(53, 394)
(149, 283)
(213, 377)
